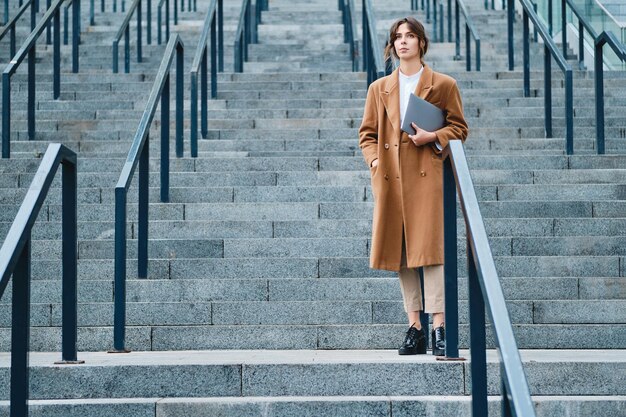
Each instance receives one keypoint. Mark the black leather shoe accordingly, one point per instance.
(439, 341)
(414, 342)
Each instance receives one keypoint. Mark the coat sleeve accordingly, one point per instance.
(456, 126)
(368, 132)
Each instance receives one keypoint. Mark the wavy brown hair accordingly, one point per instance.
(416, 27)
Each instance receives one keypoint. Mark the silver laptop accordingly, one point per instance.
(423, 114)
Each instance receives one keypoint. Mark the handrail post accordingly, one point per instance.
(569, 112)
(20, 333)
(115, 57)
(511, 19)
(139, 31)
(477, 54)
(434, 21)
(149, 22)
(220, 31)
(6, 115)
(159, 24)
(75, 34)
(550, 18)
(468, 49)
(457, 25)
(526, 40)
(450, 21)
(165, 140)
(581, 45)
(213, 68)
(92, 12)
(167, 20)
(180, 85)
(599, 87)
(478, 347)
(142, 215)
(441, 37)
(506, 405)
(31, 94)
(56, 56)
(450, 265)
(127, 50)
(119, 313)
(547, 62)
(194, 114)
(203, 89)
(70, 226)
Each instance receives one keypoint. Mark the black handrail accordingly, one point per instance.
(373, 62)
(160, 21)
(139, 154)
(583, 25)
(620, 50)
(29, 48)
(550, 50)
(348, 16)
(10, 25)
(485, 291)
(247, 31)
(199, 64)
(15, 260)
(125, 31)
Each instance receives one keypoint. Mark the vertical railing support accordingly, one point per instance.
(598, 71)
(69, 254)
(220, 31)
(143, 208)
(119, 295)
(75, 34)
(526, 40)
(547, 85)
(510, 20)
(450, 261)
(56, 59)
(6, 115)
(165, 140)
(20, 333)
(569, 112)
(478, 347)
(180, 86)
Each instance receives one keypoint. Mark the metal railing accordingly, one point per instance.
(550, 50)
(160, 21)
(348, 17)
(15, 260)
(75, 25)
(439, 33)
(10, 26)
(485, 291)
(247, 31)
(28, 48)
(583, 25)
(373, 62)
(125, 31)
(610, 39)
(139, 154)
(200, 64)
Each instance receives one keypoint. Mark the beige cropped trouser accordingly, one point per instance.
(410, 285)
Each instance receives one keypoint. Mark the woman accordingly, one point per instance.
(407, 180)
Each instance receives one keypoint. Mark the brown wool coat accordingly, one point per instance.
(407, 183)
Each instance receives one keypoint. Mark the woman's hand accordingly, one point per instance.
(421, 136)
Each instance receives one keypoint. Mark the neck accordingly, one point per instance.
(410, 67)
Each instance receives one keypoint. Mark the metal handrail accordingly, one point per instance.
(160, 21)
(75, 26)
(610, 39)
(247, 31)
(15, 260)
(485, 291)
(550, 50)
(348, 16)
(139, 154)
(470, 32)
(125, 31)
(199, 64)
(29, 48)
(583, 25)
(11, 24)
(373, 62)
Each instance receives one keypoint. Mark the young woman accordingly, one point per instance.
(407, 179)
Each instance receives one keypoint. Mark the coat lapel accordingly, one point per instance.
(391, 100)
(425, 84)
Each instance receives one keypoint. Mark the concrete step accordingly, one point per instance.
(245, 373)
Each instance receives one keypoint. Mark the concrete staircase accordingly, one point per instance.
(260, 300)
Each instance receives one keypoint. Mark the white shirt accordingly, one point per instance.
(408, 84)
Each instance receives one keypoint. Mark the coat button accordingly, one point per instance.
(422, 173)
(386, 146)
(386, 176)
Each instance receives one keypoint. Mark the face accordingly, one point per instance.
(407, 44)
